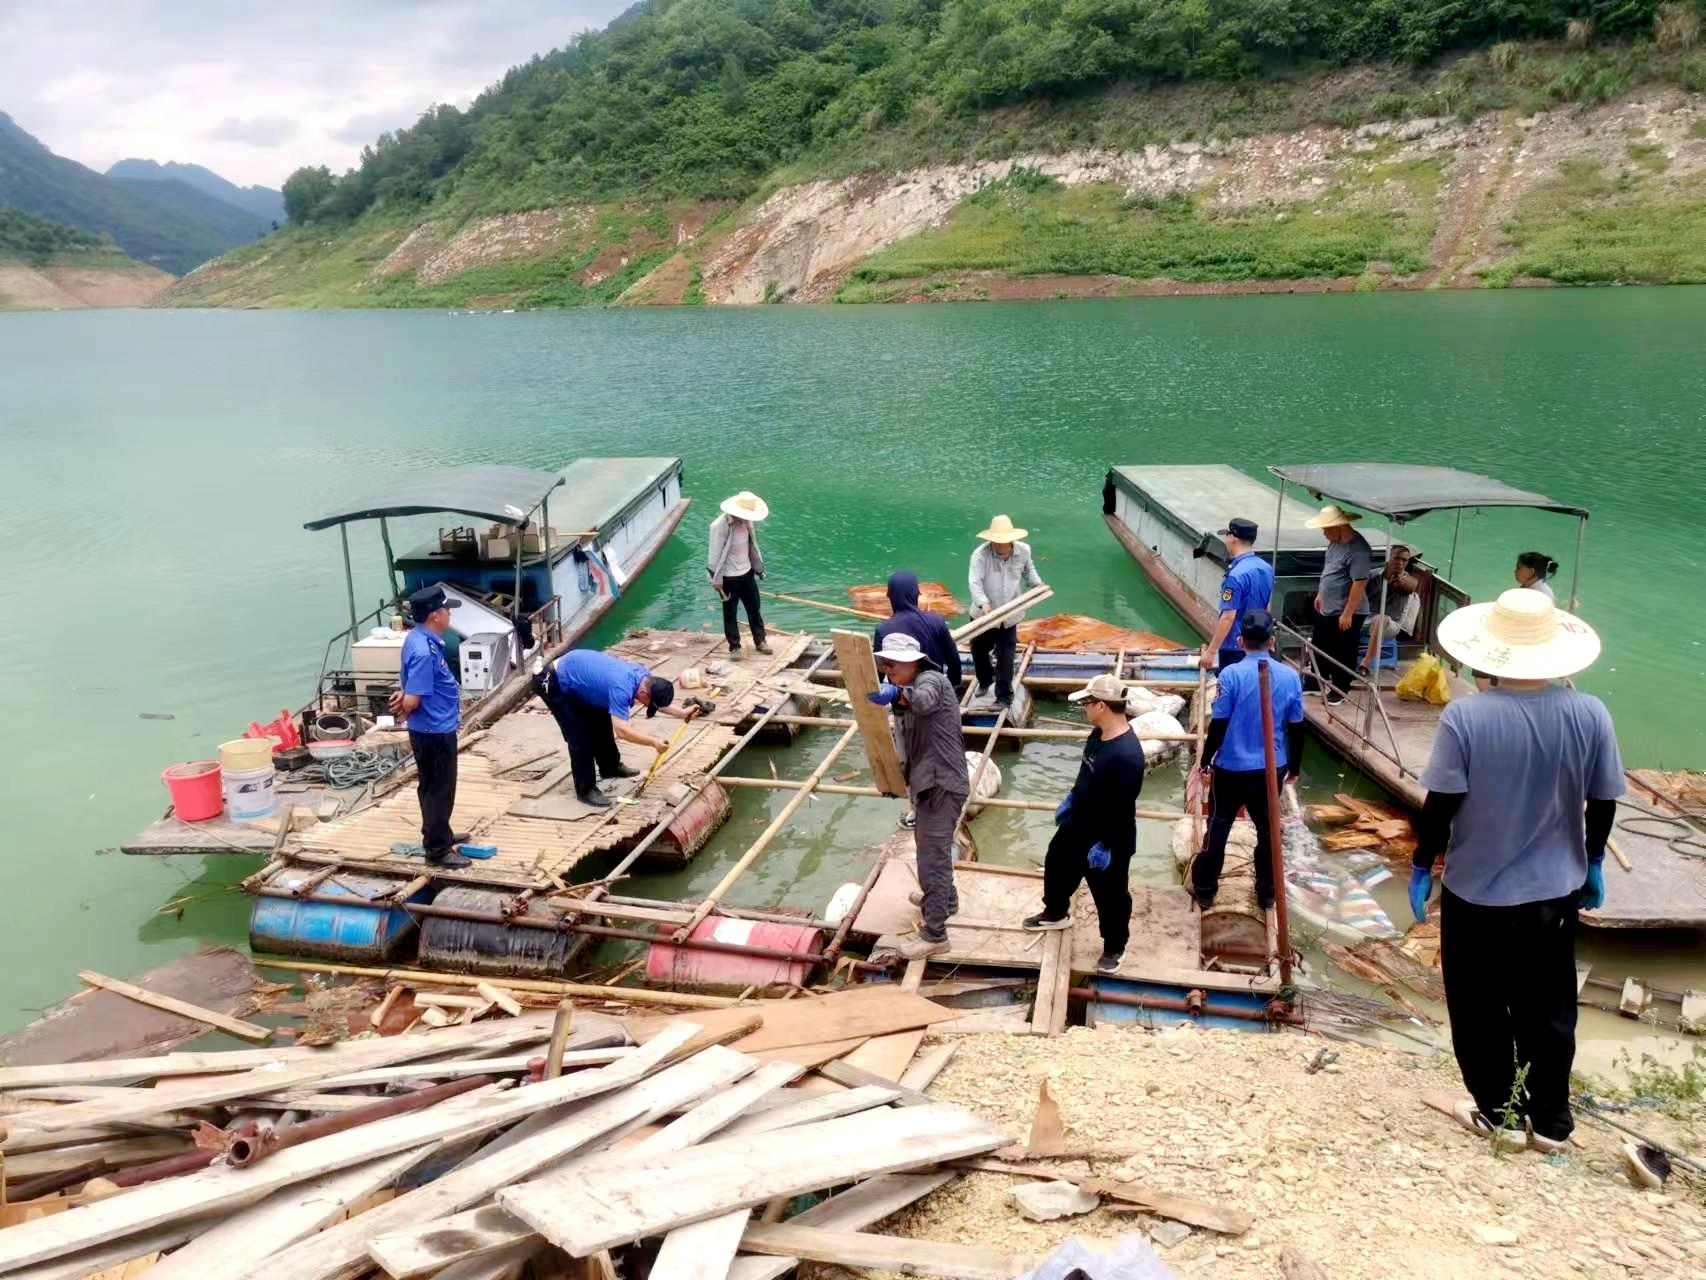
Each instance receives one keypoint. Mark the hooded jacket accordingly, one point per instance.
(929, 629)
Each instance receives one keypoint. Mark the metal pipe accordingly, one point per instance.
(1279, 515)
(415, 977)
(170, 1167)
(390, 557)
(349, 581)
(247, 1149)
(1576, 569)
(970, 730)
(1057, 682)
(1376, 628)
(737, 913)
(1267, 1013)
(43, 1184)
(727, 948)
(515, 604)
(1276, 850)
(1456, 530)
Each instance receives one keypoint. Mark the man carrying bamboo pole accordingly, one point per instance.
(933, 758)
(1096, 825)
(1002, 569)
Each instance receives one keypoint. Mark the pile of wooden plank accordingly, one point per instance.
(649, 1140)
(1365, 824)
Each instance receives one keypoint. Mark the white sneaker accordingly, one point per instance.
(1544, 1145)
(1466, 1114)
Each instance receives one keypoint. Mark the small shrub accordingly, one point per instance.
(1676, 26)
(1692, 73)
(1579, 33)
(1502, 57)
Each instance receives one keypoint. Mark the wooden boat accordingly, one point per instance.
(562, 545)
(1167, 517)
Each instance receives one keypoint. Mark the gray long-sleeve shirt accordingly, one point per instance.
(927, 731)
(994, 581)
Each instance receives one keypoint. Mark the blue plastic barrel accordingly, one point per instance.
(362, 932)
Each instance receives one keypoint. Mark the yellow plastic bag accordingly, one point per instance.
(1425, 681)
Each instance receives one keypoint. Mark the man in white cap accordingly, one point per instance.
(1341, 598)
(1522, 793)
(1001, 570)
(933, 757)
(1096, 825)
(736, 564)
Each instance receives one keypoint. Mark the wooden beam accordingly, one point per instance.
(183, 1008)
(998, 616)
(1054, 979)
(809, 1108)
(859, 1249)
(701, 1250)
(582, 1213)
(769, 833)
(859, 674)
(862, 1205)
(632, 995)
(922, 1073)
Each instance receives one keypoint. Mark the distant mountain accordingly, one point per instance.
(264, 202)
(168, 224)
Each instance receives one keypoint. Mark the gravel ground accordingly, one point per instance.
(1346, 1166)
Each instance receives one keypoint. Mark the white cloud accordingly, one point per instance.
(253, 89)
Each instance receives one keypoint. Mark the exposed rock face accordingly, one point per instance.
(49, 288)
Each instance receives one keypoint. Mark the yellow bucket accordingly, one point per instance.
(246, 753)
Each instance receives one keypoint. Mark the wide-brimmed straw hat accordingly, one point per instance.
(1332, 515)
(1001, 530)
(1522, 636)
(746, 505)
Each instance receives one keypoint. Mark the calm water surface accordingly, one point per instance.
(158, 466)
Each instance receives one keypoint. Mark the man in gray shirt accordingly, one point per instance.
(1341, 599)
(933, 757)
(1522, 792)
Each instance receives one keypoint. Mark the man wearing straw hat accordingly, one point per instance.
(1522, 792)
(1341, 598)
(933, 758)
(736, 564)
(1001, 570)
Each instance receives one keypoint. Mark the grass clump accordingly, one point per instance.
(1028, 224)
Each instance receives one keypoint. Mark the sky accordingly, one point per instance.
(255, 90)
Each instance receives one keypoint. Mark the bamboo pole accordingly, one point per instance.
(633, 995)
(989, 747)
(769, 833)
(1055, 682)
(983, 730)
(994, 802)
(828, 608)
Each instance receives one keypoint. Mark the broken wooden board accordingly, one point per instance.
(859, 675)
(585, 1212)
(1187, 1209)
(910, 1256)
(98, 1024)
(862, 1205)
(172, 1004)
(1054, 979)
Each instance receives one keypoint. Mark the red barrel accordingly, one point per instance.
(687, 967)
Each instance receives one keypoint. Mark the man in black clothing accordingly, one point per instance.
(929, 629)
(1236, 761)
(1096, 825)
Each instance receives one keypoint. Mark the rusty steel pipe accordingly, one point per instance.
(1274, 1012)
(43, 1184)
(731, 948)
(170, 1167)
(250, 1148)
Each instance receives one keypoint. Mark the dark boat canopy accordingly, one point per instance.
(507, 495)
(1403, 492)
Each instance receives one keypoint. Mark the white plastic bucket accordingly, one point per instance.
(249, 794)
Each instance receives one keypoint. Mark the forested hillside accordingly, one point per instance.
(635, 162)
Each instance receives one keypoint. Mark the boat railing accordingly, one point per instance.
(1313, 661)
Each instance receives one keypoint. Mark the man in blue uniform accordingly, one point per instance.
(1248, 584)
(1234, 758)
(590, 693)
(429, 701)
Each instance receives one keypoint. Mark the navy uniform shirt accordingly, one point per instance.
(1238, 701)
(601, 679)
(1248, 584)
(426, 675)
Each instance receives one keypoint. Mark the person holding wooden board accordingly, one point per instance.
(1096, 825)
(1522, 791)
(1002, 569)
(933, 757)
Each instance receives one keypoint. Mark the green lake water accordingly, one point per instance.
(156, 469)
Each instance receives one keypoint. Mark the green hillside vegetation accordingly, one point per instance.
(709, 97)
(27, 238)
(166, 224)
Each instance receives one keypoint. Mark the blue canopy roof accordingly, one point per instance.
(508, 495)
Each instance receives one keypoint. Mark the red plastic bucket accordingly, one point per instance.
(195, 788)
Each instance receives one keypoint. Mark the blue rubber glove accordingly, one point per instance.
(1100, 857)
(1421, 888)
(1593, 889)
(885, 694)
(1064, 808)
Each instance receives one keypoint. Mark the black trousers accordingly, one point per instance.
(1066, 866)
(435, 784)
(742, 589)
(992, 659)
(588, 732)
(1234, 789)
(1510, 992)
(1340, 646)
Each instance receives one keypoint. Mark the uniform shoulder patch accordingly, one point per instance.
(1226, 595)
